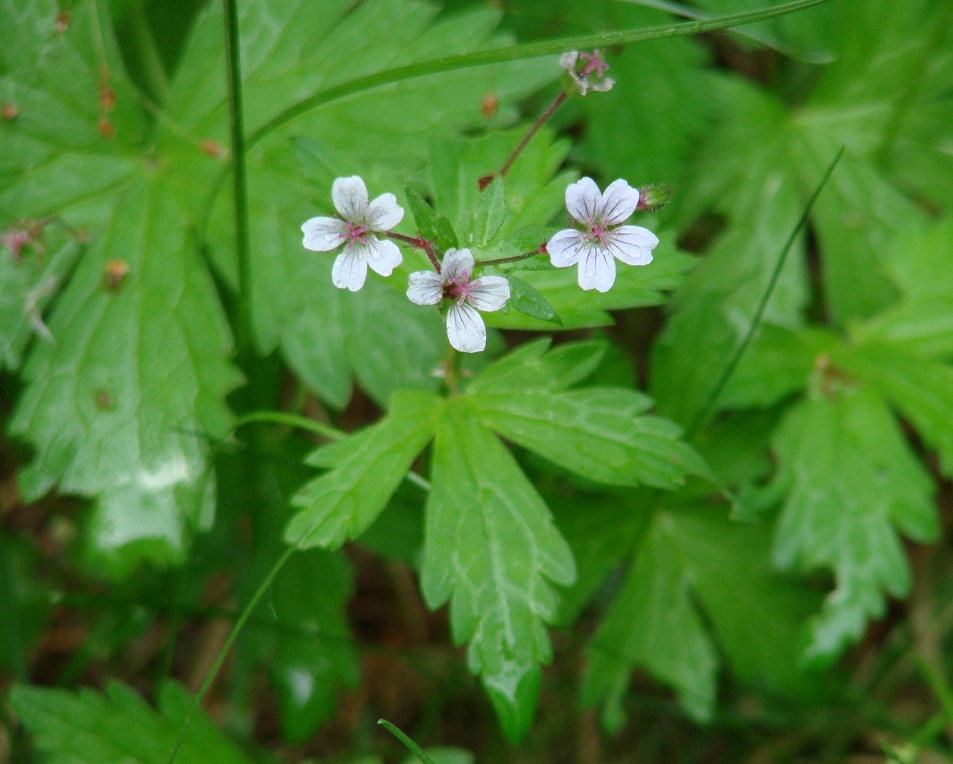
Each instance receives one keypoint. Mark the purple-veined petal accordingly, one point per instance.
(632, 244)
(619, 202)
(455, 263)
(465, 329)
(350, 198)
(564, 248)
(323, 234)
(425, 288)
(384, 213)
(350, 269)
(382, 256)
(597, 270)
(583, 200)
(489, 293)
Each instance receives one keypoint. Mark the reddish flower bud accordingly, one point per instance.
(652, 198)
(490, 104)
(9, 112)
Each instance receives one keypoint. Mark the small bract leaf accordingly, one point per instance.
(432, 224)
(527, 300)
(487, 217)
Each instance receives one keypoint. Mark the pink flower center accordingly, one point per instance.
(593, 63)
(458, 289)
(597, 231)
(356, 234)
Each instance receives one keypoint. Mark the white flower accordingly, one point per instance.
(582, 76)
(354, 232)
(465, 327)
(602, 237)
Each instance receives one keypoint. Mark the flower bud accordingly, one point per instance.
(652, 198)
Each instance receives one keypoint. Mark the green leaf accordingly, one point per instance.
(653, 623)
(858, 217)
(634, 287)
(432, 225)
(602, 531)
(365, 471)
(121, 407)
(533, 192)
(487, 216)
(922, 391)
(681, 597)
(599, 433)
(87, 727)
(524, 240)
(531, 368)
(527, 300)
(850, 480)
(492, 546)
(923, 319)
(27, 286)
(777, 364)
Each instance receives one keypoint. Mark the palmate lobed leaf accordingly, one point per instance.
(366, 469)
(851, 484)
(88, 727)
(491, 545)
(701, 588)
(119, 409)
(599, 433)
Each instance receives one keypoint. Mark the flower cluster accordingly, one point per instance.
(597, 236)
(597, 239)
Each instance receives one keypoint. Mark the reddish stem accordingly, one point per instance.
(419, 242)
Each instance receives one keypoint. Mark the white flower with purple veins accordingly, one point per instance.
(354, 231)
(465, 327)
(601, 239)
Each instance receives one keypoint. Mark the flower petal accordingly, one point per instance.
(564, 248)
(583, 200)
(323, 234)
(382, 256)
(425, 288)
(619, 202)
(568, 60)
(350, 269)
(489, 293)
(632, 244)
(456, 262)
(350, 198)
(465, 329)
(384, 213)
(597, 270)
